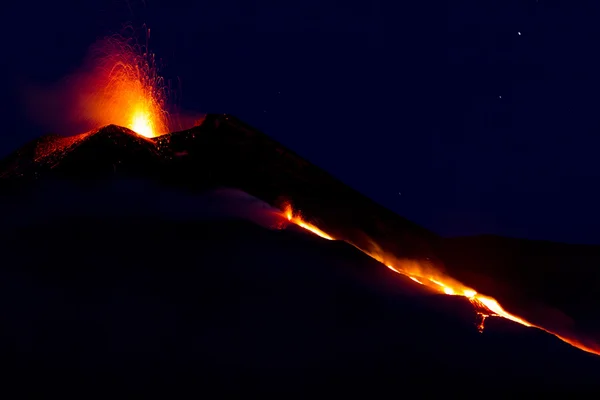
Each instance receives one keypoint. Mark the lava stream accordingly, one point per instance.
(297, 219)
(485, 306)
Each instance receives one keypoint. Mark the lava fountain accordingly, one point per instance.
(124, 88)
(485, 306)
(118, 83)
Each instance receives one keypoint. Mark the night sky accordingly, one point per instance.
(466, 117)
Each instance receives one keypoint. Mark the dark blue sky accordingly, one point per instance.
(480, 129)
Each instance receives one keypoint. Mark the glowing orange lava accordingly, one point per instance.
(122, 87)
(297, 219)
(485, 306)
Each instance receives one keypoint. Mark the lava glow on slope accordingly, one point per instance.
(297, 219)
(485, 306)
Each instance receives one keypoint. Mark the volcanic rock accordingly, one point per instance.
(225, 152)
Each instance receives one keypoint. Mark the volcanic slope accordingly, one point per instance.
(98, 153)
(541, 281)
(223, 151)
(152, 302)
(553, 284)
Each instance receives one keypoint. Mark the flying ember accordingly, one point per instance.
(124, 88)
(484, 306)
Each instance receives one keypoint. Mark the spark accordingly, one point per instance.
(122, 86)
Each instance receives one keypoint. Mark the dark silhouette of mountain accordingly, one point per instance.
(167, 296)
(554, 284)
(226, 306)
(93, 154)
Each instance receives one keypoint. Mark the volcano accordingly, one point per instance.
(217, 297)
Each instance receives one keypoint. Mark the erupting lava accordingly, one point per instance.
(125, 88)
(485, 306)
(117, 84)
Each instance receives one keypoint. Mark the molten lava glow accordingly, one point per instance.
(485, 306)
(141, 123)
(121, 86)
(297, 219)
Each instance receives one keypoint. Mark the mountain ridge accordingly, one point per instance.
(225, 152)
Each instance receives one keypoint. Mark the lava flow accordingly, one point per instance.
(297, 219)
(485, 306)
